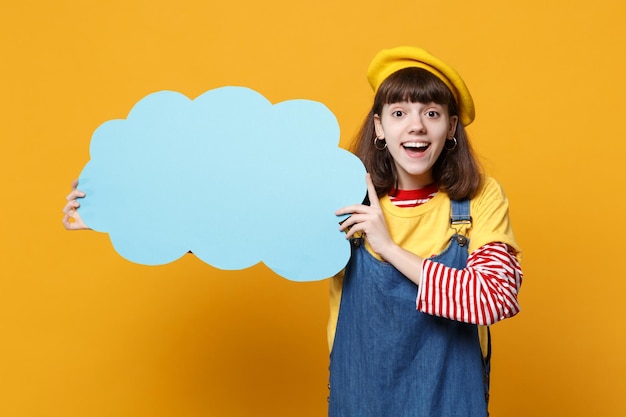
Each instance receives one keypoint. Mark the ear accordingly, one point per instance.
(452, 129)
(378, 127)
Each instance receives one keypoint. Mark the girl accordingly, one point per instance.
(408, 313)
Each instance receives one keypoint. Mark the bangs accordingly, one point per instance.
(415, 85)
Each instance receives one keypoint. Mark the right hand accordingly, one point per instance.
(369, 220)
(72, 220)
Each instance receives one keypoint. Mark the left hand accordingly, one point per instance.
(71, 218)
(369, 220)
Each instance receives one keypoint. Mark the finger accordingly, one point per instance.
(358, 227)
(351, 221)
(74, 195)
(71, 206)
(348, 210)
(73, 221)
(353, 212)
(371, 191)
(68, 223)
(74, 226)
(74, 184)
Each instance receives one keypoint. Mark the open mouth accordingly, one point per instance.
(416, 147)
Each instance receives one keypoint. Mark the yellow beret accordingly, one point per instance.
(388, 61)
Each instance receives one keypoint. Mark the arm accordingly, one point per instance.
(71, 218)
(483, 293)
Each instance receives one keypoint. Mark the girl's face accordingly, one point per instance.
(415, 134)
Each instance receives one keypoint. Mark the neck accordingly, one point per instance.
(414, 182)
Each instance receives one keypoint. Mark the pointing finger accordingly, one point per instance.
(371, 191)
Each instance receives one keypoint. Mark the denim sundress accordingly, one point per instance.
(390, 360)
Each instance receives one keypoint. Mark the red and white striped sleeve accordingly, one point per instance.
(483, 293)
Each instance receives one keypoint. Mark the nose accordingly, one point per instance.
(416, 125)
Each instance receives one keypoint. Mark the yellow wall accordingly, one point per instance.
(86, 333)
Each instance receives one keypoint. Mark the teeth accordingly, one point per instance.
(415, 144)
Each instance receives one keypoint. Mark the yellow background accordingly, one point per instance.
(86, 333)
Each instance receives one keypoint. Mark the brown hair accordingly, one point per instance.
(457, 171)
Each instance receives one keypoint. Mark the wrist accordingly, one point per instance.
(408, 263)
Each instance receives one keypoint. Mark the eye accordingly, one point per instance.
(432, 113)
(397, 113)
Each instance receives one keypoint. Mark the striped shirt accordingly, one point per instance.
(412, 198)
(483, 293)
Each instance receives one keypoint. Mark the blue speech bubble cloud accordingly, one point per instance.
(228, 176)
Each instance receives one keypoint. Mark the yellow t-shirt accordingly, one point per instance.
(425, 230)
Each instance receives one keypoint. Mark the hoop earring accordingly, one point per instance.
(450, 148)
(376, 139)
